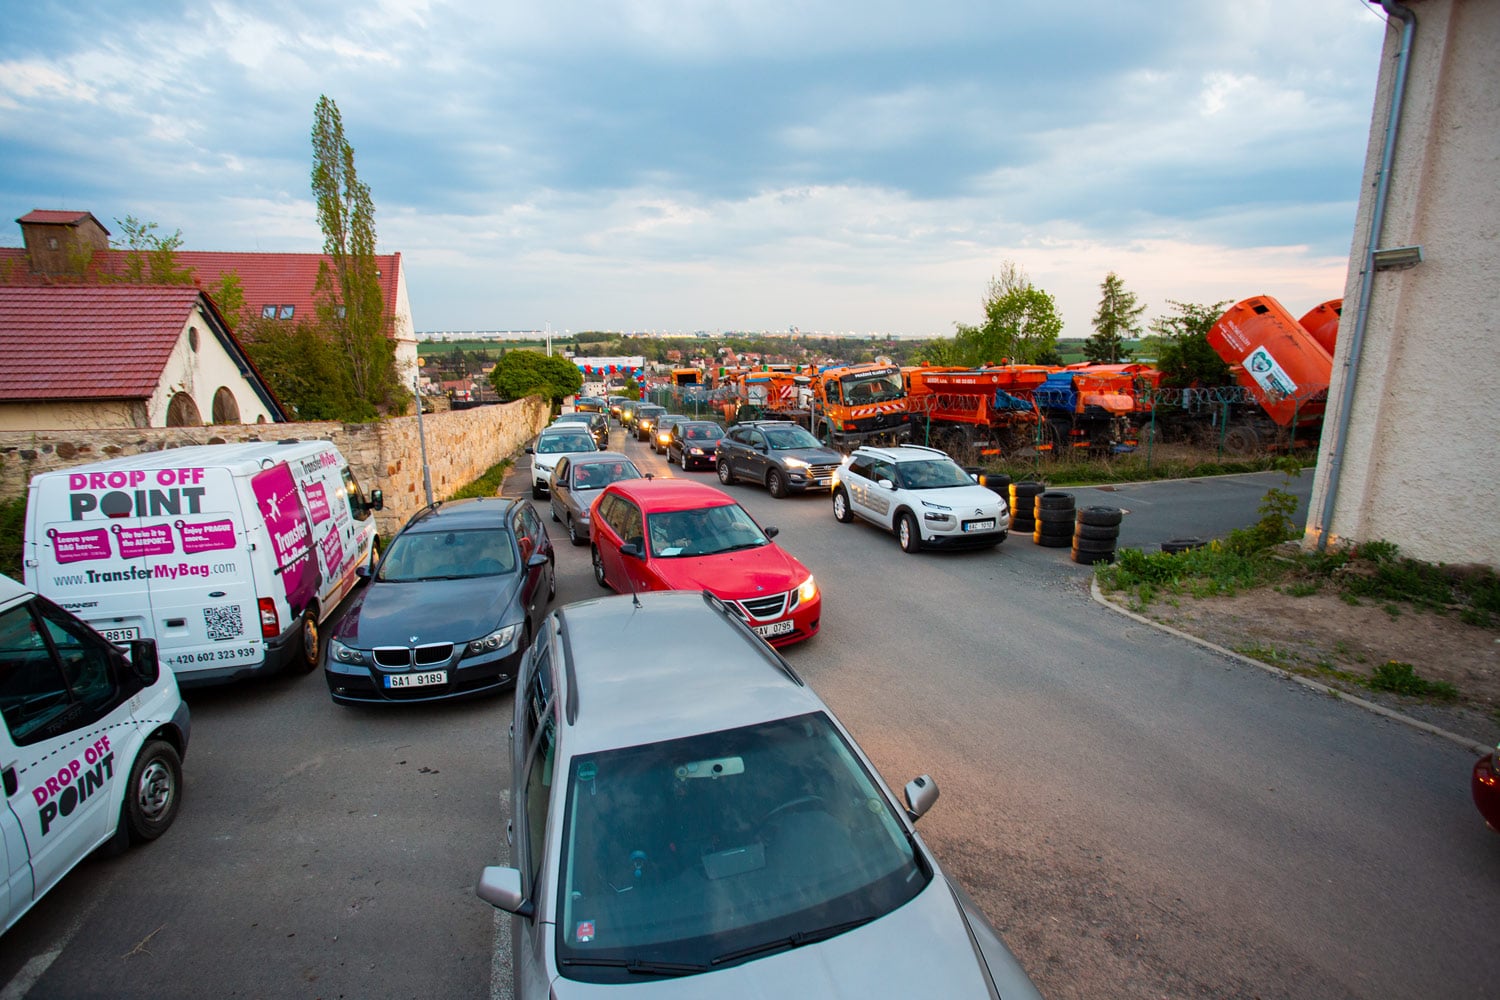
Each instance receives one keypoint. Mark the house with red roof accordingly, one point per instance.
(121, 355)
(67, 246)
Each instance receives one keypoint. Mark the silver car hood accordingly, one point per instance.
(929, 931)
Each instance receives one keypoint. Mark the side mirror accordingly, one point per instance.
(362, 571)
(501, 888)
(144, 661)
(530, 450)
(377, 499)
(770, 532)
(537, 559)
(635, 549)
(920, 794)
(886, 484)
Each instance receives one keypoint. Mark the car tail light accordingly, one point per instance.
(270, 622)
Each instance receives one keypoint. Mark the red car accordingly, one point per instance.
(1486, 788)
(675, 534)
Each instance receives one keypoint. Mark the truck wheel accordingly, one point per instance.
(310, 641)
(154, 792)
(776, 484)
(908, 534)
(726, 474)
(841, 511)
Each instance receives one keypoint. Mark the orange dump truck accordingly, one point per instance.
(974, 412)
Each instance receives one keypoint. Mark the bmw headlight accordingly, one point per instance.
(806, 590)
(344, 654)
(498, 639)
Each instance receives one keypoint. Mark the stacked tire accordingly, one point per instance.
(1095, 532)
(1023, 505)
(996, 482)
(1053, 514)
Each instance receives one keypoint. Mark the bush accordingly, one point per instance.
(12, 536)
(1401, 678)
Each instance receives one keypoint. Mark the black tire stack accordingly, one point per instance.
(1095, 531)
(996, 482)
(1053, 514)
(1023, 505)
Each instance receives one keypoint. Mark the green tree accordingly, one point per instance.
(1020, 325)
(229, 295)
(306, 368)
(349, 297)
(1118, 320)
(1183, 353)
(149, 258)
(523, 373)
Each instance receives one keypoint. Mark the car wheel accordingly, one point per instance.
(841, 511)
(536, 492)
(684, 460)
(554, 514)
(573, 534)
(310, 640)
(154, 793)
(599, 569)
(726, 475)
(908, 534)
(776, 484)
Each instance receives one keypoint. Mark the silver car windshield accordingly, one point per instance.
(597, 475)
(703, 532)
(695, 854)
(447, 555)
(934, 475)
(558, 444)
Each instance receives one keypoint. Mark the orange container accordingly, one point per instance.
(1276, 358)
(1322, 321)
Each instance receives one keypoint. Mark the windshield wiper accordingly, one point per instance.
(736, 548)
(638, 967)
(796, 940)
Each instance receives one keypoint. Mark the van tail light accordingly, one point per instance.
(270, 622)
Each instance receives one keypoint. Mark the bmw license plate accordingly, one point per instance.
(416, 680)
(979, 525)
(775, 628)
(120, 634)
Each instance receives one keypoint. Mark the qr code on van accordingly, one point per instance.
(224, 622)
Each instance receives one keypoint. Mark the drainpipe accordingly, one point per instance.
(1367, 274)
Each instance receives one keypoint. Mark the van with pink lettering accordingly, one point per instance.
(91, 745)
(230, 556)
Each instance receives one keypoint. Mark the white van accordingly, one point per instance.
(229, 556)
(91, 747)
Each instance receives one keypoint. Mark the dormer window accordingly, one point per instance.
(286, 312)
(268, 312)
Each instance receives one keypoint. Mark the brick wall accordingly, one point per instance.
(461, 445)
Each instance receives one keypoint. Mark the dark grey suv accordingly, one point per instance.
(777, 453)
(675, 822)
(450, 609)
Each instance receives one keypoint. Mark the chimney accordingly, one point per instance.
(62, 243)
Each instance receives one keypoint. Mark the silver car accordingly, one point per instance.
(575, 485)
(676, 818)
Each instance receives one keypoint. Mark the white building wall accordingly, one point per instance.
(1423, 454)
(404, 331)
(200, 373)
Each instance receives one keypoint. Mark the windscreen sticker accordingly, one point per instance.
(584, 932)
(205, 537)
(76, 546)
(151, 540)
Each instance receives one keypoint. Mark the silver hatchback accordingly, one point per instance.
(675, 821)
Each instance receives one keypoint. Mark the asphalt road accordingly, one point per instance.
(1140, 817)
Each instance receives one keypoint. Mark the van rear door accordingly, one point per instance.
(203, 599)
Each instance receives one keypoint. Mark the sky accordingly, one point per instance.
(722, 165)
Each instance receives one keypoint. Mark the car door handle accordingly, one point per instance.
(510, 833)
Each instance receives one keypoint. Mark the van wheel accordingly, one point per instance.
(154, 793)
(310, 640)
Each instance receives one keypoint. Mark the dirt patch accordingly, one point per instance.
(1323, 637)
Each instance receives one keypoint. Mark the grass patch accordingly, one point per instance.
(1401, 678)
(487, 485)
(1133, 468)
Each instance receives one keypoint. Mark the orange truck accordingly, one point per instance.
(859, 404)
(1095, 408)
(1285, 365)
(974, 412)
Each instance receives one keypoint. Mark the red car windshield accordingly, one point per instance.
(703, 532)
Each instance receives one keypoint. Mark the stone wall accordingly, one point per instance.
(461, 445)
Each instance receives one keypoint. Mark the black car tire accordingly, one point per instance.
(1094, 532)
(726, 474)
(908, 533)
(841, 511)
(684, 460)
(776, 484)
(599, 569)
(309, 647)
(1100, 516)
(554, 513)
(154, 792)
(573, 535)
(536, 492)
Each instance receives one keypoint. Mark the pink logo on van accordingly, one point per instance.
(291, 536)
(317, 503)
(76, 546)
(152, 540)
(333, 552)
(207, 536)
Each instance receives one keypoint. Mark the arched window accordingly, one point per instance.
(226, 407)
(183, 412)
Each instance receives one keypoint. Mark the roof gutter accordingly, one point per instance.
(1367, 274)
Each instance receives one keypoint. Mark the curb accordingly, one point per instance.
(1464, 741)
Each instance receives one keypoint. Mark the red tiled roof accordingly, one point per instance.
(56, 217)
(88, 341)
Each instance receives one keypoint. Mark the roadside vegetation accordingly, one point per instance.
(487, 485)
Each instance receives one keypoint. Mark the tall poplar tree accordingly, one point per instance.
(349, 296)
(1118, 319)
